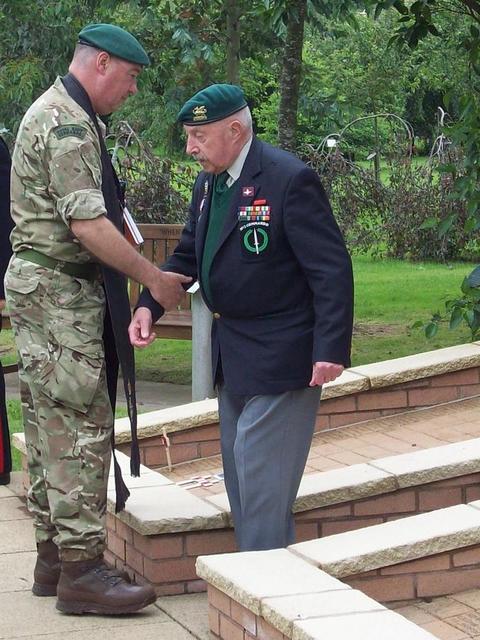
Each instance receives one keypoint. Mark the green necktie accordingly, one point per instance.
(221, 182)
(219, 208)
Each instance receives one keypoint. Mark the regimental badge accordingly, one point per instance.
(248, 192)
(254, 227)
(199, 113)
(70, 131)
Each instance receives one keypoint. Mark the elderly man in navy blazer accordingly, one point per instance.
(274, 270)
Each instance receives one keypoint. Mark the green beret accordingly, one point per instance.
(114, 40)
(214, 103)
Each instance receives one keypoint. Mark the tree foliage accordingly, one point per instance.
(347, 68)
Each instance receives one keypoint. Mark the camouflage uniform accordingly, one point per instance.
(58, 324)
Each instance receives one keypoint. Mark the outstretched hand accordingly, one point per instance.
(167, 289)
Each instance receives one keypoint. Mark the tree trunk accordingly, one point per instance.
(291, 75)
(233, 12)
(376, 159)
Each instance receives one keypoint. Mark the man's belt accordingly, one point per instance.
(83, 271)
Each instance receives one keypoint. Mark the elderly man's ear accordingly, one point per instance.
(236, 127)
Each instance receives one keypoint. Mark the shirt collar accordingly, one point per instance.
(235, 169)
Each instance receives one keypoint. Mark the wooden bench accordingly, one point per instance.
(160, 241)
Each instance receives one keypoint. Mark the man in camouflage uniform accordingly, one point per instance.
(57, 304)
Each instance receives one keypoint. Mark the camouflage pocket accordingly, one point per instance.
(71, 374)
(22, 276)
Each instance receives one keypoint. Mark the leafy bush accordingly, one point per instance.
(408, 213)
(158, 189)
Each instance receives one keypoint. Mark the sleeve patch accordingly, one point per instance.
(69, 131)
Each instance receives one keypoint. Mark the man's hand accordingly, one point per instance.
(2, 304)
(140, 328)
(102, 239)
(167, 288)
(324, 372)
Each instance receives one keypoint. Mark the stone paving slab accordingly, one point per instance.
(348, 382)
(153, 510)
(341, 485)
(377, 625)
(5, 492)
(155, 631)
(190, 610)
(453, 617)
(147, 478)
(391, 542)
(176, 418)
(16, 571)
(12, 508)
(429, 363)
(281, 613)
(16, 536)
(252, 576)
(24, 614)
(429, 465)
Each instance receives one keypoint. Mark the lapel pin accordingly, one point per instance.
(248, 192)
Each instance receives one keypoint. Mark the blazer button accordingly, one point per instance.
(216, 316)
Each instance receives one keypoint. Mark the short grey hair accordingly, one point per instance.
(245, 117)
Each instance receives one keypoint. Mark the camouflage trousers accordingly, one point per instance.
(57, 322)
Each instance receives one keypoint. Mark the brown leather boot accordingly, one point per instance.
(91, 586)
(47, 569)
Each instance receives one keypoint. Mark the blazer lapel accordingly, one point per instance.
(246, 189)
(203, 211)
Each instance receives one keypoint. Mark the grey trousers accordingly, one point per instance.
(265, 443)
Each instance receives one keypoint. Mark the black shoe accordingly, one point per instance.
(4, 478)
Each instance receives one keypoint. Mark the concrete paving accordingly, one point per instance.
(25, 616)
(151, 396)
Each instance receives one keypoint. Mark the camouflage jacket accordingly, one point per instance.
(56, 176)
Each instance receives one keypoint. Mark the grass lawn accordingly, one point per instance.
(392, 294)
(15, 424)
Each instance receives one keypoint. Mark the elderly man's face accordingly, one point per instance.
(213, 145)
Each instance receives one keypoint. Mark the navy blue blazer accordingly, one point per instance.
(6, 223)
(281, 278)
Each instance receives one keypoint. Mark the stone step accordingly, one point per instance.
(157, 505)
(275, 594)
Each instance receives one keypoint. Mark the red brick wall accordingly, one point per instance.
(166, 561)
(326, 521)
(191, 444)
(398, 398)
(437, 575)
(229, 620)
(201, 442)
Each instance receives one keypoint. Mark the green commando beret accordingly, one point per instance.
(114, 40)
(211, 104)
